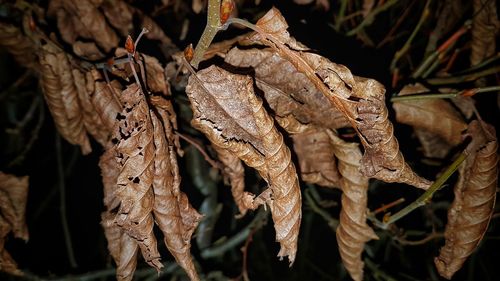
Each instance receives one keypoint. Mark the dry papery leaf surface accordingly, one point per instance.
(16, 43)
(232, 117)
(361, 100)
(141, 171)
(474, 202)
(13, 198)
(485, 27)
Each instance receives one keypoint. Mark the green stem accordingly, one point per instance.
(424, 198)
(407, 45)
(340, 15)
(211, 29)
(333, 223)
(371, 16)
(445, 95)
(464, 78)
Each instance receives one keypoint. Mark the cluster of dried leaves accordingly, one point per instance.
(271, 90)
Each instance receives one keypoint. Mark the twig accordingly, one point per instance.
(332, 222)
(376, 271)
(371, 16)
(19, 81)
(62, 202)
(424, 198)
(463, 78)
(395, 27)
(407, 45)
(244, 271)
(340, 15)
(464, 93)
(211, 29)
(215, 164)
(383, 208)
(218, 250)
(422, 241)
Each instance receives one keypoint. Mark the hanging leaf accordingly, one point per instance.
(122, 247)
(62, 96)
(434, 115)
(287, 90)
(361, 100)
(105, 100)
(315, 156)
(82, 19)
(485, 26)
(473, 206)
(176, 218)
(133, 143)
(232, 117)
(432, 145)
(353, 232)
(13, 198)
(18, 45)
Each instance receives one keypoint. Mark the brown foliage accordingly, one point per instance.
(23, 50)
(13, 197)
(475, 193)
(232, 117)
(434, 115)
(353, 232)
(62, 96)
(485, 27)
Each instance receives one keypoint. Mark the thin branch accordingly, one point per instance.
(371, 17)
(463, 78)
(432, 236)
(424, 198)
(238, 238)
(383, 208)
(215, 164)
(465, 93)
(332, 222)
(211, 29)
(62, 202)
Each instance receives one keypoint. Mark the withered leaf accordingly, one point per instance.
(432, 145)
(227, 111)
(485, 27)
(82, 19)
(473, 206)
(235, 173)
(287, 90)
(174, 215)
(62, 96)
(122, 247)
(134, 152)
(434, 115)
(315, 155)
(105, 100)
(353, 232)
(18, 45)
(13, 199)
(361, 100)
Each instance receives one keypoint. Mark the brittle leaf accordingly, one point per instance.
(227, 111)
(133, 139)
(353, 232)
(62, 96)
(485, 27)
(434, 115)
(176, 220)
(473, 206)
(18, 45)
(13, 199)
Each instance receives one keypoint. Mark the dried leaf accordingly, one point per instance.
(474, 202)
(434, 115)
(106, 103)
(176, 218)
(485, 27)
(361, 100)
(228, 112)
(13, 198)
(82, 19)
(87, 50)
(122, 247)
(18, 45)
(133, 139)
(353, 232)
(287, 90)
(120, 15)
(315, 156)
(234, 171)
(432, 145)
(62, 96)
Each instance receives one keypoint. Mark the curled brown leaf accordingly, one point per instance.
(13, 199)
(485, 27)
(353, 232)
(62, 96)
(475, 193)
(434, 115)
(176, 218)
(227, 111)
(19, 45)
(134, 148)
